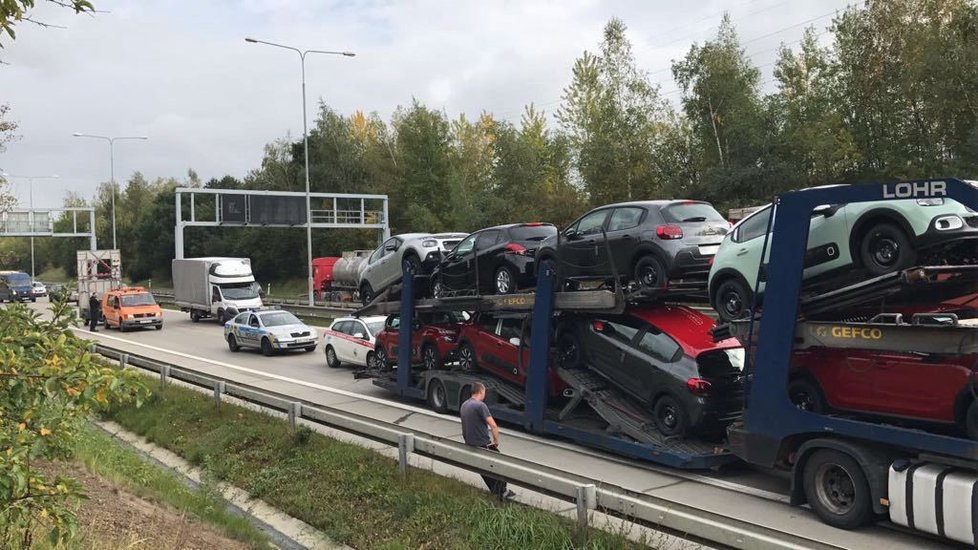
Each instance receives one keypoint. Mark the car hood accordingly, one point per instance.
(285, 331)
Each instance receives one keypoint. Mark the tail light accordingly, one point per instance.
(710, 262)
(698, 386)
(534, 224)
(669, 232)
(598, 326)
(514, 248)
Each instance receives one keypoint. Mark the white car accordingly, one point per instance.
(270, 331)
(351, 340)
(38, 289)
(383, 268)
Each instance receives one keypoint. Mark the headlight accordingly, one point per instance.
(428, 243)
(931, 202)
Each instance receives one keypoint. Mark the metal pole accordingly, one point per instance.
(305, 145)
(31, 217)
(112, 185)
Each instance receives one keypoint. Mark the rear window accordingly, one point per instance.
(721, 363)
(691, 212)
(533, 232)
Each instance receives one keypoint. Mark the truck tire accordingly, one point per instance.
(836, 488)
(194, 316)
(437, 398)
(220, 317)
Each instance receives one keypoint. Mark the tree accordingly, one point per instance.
(8, 129)
(13, 12)
(51, 383)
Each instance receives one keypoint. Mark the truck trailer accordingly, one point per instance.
(215, 287)
(99, 271)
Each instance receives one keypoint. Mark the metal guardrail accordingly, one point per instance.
(328, 310)
(588, 494)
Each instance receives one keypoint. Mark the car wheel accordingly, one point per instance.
(732, 300)
(194, 316)
(380, 358)
(807, 396)
(266, 347)
(971, 421)
(650, 273)
(836, 489)
(437, 398)
(415, 263)
(310, 349)
(233, 343)
(371, 360)
(332, 361)
(505, 281)
(569, 352)
(159, 327)
(438, 289)
(429, 355)
(466, 358)
(366, 293)
(669, 416)
(885, 248)
(122, 328)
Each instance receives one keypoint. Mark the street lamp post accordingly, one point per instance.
(111, 141)
(30, 182)
(305, 144)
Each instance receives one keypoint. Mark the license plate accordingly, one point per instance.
(710, 250)
(144, 321)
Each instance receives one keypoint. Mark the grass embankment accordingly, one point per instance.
(354, 495)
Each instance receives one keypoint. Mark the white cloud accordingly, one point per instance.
(181, 73)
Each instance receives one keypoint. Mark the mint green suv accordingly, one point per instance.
(878, 237)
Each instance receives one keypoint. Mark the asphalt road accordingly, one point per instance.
(743, 493)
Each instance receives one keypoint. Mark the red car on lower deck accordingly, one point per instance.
(434, 339)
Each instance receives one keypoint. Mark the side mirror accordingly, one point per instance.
(515, 341)
(359, 335)
(572, 235)
(827, 210)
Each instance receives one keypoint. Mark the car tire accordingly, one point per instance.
(383, 361)
(732, 300)
(159, 327)
(194, 316)
(837, 490)
(504, 280)
(233, 344)
(806, 395)
(971, 420)
(415, 262)
(429, 355)
(266, 347)
(437, 397)
(650, 272)
(371, 359)
(332, 361)
(366, 293)
(310, 349)
(885, 248)
(466, 358)
(670, 416)
(570, 354)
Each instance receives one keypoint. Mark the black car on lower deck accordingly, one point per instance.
(495, 260)
(648, 242)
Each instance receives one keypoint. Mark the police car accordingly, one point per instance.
(351, 340)
(270, 331)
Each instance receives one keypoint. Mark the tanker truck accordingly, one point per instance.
(335, 278)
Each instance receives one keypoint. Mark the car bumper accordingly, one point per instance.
(713, 413)
(690, 263)
(524, 268)
(136, 323)
(430, 262)
(295, 344)
(943, 230)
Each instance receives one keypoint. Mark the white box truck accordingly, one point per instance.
(215, 287)
(98, 272)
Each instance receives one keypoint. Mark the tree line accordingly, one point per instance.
(893, 94)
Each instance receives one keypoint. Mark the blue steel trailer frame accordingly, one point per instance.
(533, 417)
(772, 426)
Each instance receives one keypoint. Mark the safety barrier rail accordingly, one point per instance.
(325, 310)
(588, 494)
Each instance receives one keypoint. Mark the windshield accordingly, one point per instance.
(533, 232)
(18, 279)
(240, 291)
(690, 211)
(138, 300)
(375, 327)
(279, 318)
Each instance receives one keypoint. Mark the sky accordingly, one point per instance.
(181, 73)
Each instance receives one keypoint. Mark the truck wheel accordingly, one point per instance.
(195, 316)
(332, 361)
(885, 248)
(806, 396)
(669, 416)
(429, 354)
(437, 398)
(466, 358)
(837, 490)
(266, 347)
(650, 273)
(233, 343)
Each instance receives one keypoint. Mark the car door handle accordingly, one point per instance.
(626, 237)
(742, 252)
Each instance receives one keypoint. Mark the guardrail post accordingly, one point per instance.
(93, 348)
(405, 446)
(586, 501)
(295, 412)
(219, 388)
(164, 375)
(123, 359)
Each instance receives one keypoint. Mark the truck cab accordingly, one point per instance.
(215, 287)
(131, 307)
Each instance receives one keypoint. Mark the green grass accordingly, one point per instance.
(120, 464)
(352, 494)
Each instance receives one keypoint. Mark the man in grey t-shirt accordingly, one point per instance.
(477, 422)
